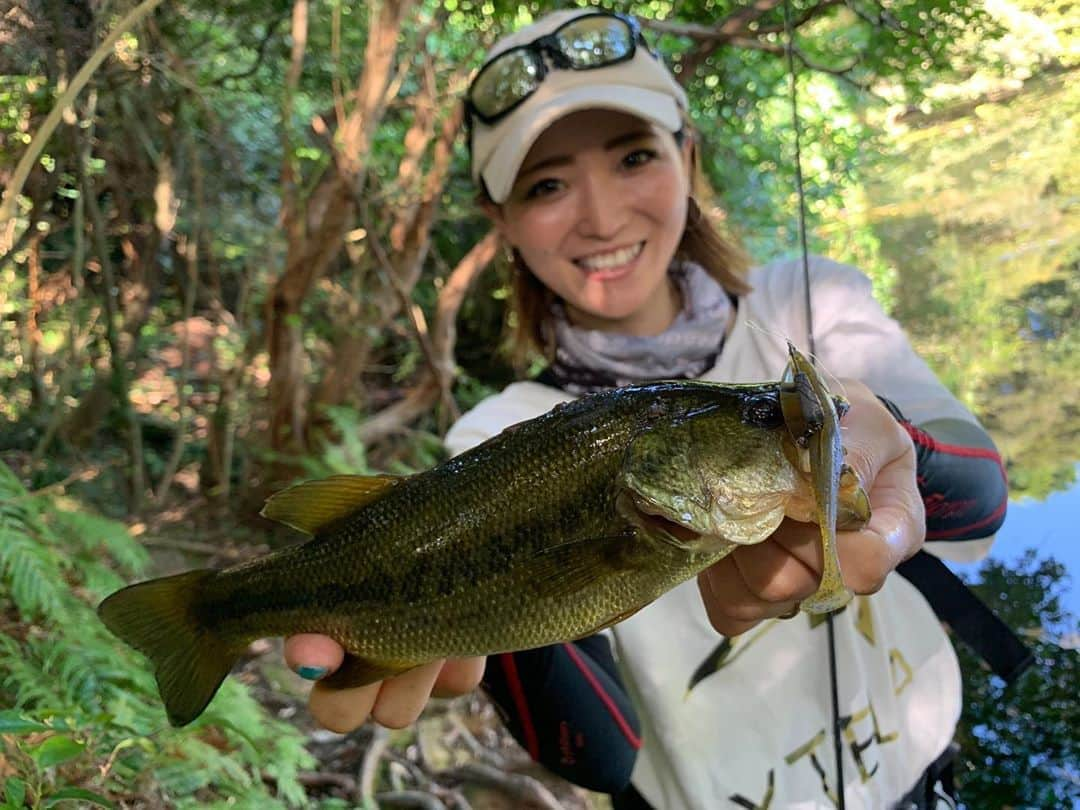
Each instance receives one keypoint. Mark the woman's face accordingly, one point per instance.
(597, 212)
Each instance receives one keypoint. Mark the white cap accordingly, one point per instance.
(641, 86)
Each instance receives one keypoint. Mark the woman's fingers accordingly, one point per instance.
(395, 702)
(342, 710)
(732, 603)
(401, 699)
(313, 656)
(769, 579)
(459, 676)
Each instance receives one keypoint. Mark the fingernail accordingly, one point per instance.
(311, 673)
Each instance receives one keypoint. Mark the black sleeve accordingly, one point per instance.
(567, 707)
(960, 475)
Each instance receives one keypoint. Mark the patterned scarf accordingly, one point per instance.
(589, 360)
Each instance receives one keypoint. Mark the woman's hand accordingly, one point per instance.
(395, 702)
(771, 578)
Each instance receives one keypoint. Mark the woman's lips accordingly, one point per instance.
(611, 264)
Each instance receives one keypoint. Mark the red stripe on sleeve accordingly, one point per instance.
(924, 439)
(929, 442)
(605, 698)
(514, 682)
(945, 534)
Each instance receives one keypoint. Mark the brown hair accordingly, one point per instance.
(704, 242)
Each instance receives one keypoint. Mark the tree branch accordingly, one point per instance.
(440, 375)
(843, 73)
(807, 15)
(8, 207)
(884, 18)
(737, 29)
(290, 217)
(840, 73)
(260, 55)
(522, 788)
(734, 23)
(380, 739)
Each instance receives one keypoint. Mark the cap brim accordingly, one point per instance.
(501, 169)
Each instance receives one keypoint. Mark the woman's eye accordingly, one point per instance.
(542, 188)
(639, 157)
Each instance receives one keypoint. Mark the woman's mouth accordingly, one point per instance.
(611, 263)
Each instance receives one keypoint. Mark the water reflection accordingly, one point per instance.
(1049, 526)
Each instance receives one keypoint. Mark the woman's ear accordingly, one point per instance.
(494, 212)
(688, 148)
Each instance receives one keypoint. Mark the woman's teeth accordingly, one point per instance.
(616, 258)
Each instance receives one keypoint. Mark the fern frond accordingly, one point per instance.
(31, 571)
(87, 532)
(10, 485)
(63, 663)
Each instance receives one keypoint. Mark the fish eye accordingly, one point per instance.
(762, 410)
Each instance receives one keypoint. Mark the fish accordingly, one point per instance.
(552, 530)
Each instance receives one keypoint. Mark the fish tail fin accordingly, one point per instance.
(158, 618)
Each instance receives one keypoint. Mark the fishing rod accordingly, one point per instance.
(834, 688)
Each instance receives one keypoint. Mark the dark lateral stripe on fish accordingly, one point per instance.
(428, 578)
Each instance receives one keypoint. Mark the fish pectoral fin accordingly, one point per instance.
(626, 614)
(313, 504)
(356, 671)
(568, 568)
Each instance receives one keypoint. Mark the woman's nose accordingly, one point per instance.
(602, 210)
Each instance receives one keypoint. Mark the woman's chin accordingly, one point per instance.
(623, 319)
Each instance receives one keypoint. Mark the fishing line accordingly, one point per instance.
(796, 126)
(789, 35)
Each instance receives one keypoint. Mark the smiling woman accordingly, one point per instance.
(596, 213)
(584, 162)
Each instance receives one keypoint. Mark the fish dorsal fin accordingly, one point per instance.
(314, 504)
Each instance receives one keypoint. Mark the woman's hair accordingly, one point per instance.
(703, 242)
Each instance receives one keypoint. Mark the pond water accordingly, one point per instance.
(1052, 527)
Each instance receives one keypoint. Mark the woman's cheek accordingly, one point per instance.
(542, 227)
(661, 198)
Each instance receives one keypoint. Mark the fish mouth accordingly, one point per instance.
(663, 527)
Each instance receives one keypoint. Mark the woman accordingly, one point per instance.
(584, 160)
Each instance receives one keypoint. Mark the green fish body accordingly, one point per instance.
(548, 532)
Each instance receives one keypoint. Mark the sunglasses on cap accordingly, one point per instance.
(590, 41)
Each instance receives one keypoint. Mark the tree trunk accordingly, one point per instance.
(31, 330)
(316, 229)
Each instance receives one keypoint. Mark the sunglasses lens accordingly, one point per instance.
(595, 41)
(505, 81)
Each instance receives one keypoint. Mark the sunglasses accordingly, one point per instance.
(590, 41)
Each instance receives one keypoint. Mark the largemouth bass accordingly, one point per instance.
(554, 529)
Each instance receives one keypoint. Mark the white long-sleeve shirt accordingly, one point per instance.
(747, 722)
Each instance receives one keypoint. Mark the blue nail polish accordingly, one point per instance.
(311, 673)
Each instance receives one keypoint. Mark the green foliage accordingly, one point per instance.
(347, 455)
(982, 241)
(87, 723)
(1021, 743)
(343, 452)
